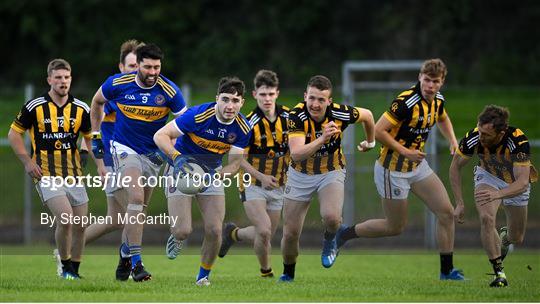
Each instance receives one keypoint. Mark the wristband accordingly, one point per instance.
(96, 135)
(175, 154)
(370, 145)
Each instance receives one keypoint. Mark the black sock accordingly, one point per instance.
(266, 272)
(349, 233)
(288, 269)
(497, 264)
(67, 265)
(329, 235)
(447, 263)
(76, 266)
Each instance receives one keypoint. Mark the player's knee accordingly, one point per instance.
(396, 228)
(212, 231)
(264, 233)
(332, 222)
(487, 220)
(181, 233)
(446, 217)
(291, 235)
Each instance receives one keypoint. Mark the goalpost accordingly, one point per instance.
(349, 87)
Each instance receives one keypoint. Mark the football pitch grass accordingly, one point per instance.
(357, 276)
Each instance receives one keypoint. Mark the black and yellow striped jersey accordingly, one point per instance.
(54, 132)
(330, 156)
(512, 150)
(412, 117)
(269, 145)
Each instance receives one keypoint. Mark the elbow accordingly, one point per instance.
(157, 139)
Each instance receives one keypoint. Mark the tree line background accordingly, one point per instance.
(483, 42)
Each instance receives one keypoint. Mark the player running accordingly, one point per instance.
(403, 130)
(205, 133)
(503, 176)
(143, 100)
(317, 166)
(267, 162)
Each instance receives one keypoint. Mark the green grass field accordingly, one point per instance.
(357, 276)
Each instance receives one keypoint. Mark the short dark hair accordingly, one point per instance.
(231, 85)
(57, 64)
(320, 82)
(151, 51)
(498, 116)
(129, 46)
(266, 78)
(434, 68)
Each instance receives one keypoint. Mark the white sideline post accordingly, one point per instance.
(27, 232)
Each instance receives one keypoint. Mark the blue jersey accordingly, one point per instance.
(207, 139)
(107, 131)
(141, 111)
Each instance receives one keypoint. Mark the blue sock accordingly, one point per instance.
(124, 250)
(135, 252)
(204, 271)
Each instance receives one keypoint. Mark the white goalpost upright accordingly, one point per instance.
(349, 87)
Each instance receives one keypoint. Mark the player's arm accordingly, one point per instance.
(235, 157)
(97, 110)
(301, 151)
(458, 162)
(268, 181)
(17, 144)
(366, 118)
(447, 130)
(382, 134)
(164, 139)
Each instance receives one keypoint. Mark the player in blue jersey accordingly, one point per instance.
(143, 100)
(205, 133)
(116, 196)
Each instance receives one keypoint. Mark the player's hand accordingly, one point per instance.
(84, 157)
(459, 213)
(100, 167)
(97, 146)
(330, 130)
(209, 176)
(365, 146)
(415, 155)
(180, 164)
(485, 196)
(33, 169)
(269, 182)
(453, 148)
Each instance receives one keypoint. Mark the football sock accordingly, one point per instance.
(447, 263)
(497, 264)
(76, 266)
(135, 252)
(349, 233)
(124, 250)
(204, 271)
(267, 272)
(66, 265)
(288, 269)
(329, 235)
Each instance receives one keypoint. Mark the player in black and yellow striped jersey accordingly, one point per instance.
(54, 121)
(267, 162)
(317, 165)
(403, 131)
(503, 176)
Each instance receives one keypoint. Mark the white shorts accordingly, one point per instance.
(301, 186)
(76, 195)
(124, 157)
(171, 190)
(482, 177)
(395, 184)
(111, 186)
(273, 198)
